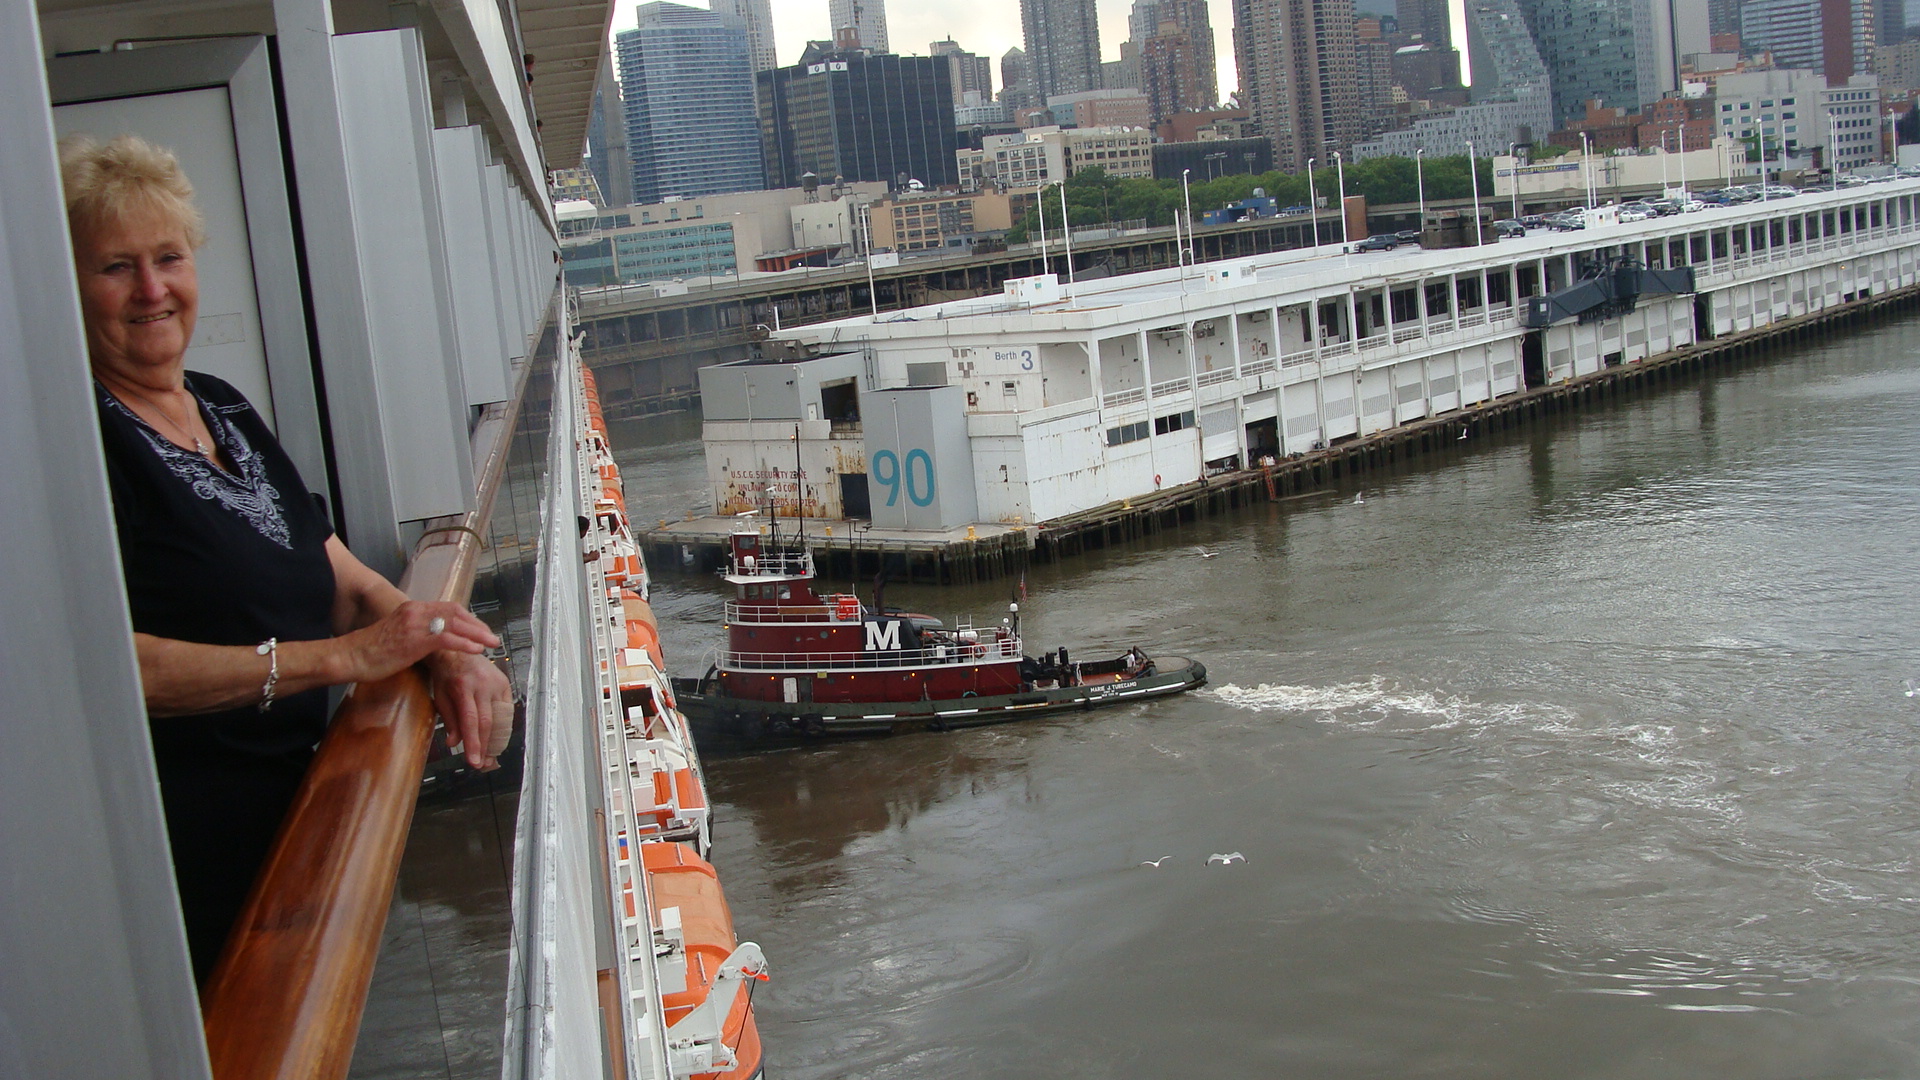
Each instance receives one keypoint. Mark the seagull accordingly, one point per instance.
(1155, 863)
(1228, 859)
(1359, 498)
(1463, 435)
(1205, 552)
(1913, 687)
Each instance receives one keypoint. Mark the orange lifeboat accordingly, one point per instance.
(706, 973)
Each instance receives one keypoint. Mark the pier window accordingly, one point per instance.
(1793, 229)
(1527, 276)
(1466, 293)
(1698, 246)
(1500, 288)
(1126, 433)
(1406, 305)
(1167, 425)
(1330, 321)
(1718, 244)
(1437, 304)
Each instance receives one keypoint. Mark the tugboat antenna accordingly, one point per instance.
(799, 493)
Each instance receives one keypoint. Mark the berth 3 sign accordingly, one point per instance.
(919, 457)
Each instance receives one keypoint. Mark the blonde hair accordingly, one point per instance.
(125, 176)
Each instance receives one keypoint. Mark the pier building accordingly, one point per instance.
(1056, 397)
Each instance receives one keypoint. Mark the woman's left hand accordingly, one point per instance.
(476, 705)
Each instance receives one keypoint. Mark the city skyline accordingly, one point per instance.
(986, 28)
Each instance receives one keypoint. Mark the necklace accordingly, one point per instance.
(186, 432)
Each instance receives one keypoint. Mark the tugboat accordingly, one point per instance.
(803, 664)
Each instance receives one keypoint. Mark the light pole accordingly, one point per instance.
(873, 295)
(1473, 178)
(1186, 196)
(1420, 183)
(1066, 236)
(1040, 207)
(1313, 205)
(1248, 158)
(1683, 161)
(1340, 171)
(1586, 166)
(1513, 176)
(1833, 152)
(1210, 159)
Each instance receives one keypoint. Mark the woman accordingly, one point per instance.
(245, 605)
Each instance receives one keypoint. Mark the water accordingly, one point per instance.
(1583, 752)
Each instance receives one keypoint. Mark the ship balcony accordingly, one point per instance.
(774, 564)
(947, 656)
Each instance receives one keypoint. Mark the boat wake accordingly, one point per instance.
(1377, 701)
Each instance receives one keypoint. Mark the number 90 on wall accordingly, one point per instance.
(889, 472)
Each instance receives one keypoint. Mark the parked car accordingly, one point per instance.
(1409, 236)
(1509, 228)
(1378, 242)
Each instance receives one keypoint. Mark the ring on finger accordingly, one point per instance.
(435, 625)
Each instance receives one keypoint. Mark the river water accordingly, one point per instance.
(1582, 751)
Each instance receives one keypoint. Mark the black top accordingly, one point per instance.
(221, 559)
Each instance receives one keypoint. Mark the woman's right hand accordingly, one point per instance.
(407, 635)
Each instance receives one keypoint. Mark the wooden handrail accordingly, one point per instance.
(286, 997)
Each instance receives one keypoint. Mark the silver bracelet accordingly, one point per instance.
(270, 649)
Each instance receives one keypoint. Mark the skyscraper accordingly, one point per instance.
(757, 17)
(971, 74)
(1176, 58)
(1613, 50)
(1427, 20)
(866, 18)
(1834, 37)
(1016, 79)
(607, 140)
(687, 85)
(1063, 46)
(859, 116)
(1299, 75)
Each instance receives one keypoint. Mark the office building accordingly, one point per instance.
(756, 16)
(1101, 108)
(1510, 102)
(1299, 75)
(860, 116)
(1062, 46)
(1800, 110)
(686, 82)
(1833, 37)
(864, 20)
(1048, 155)
(970, 73)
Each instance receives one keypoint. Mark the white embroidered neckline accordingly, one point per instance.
(246, 491)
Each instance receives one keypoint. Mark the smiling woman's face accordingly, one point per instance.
(139, 293)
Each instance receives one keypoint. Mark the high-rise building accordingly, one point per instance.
(1016, 79)
(607, 139)
(971, 74)
(686, 82)
(1063, 46)
(757, 17)
(1890, 21)
(1619, 52)
(1833, 37)
(1511, 100)
(1298, 75)
(1177, 59)
(1426, 20)
(867, 19)
(859, 116)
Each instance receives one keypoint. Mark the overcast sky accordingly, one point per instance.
(986, 27)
